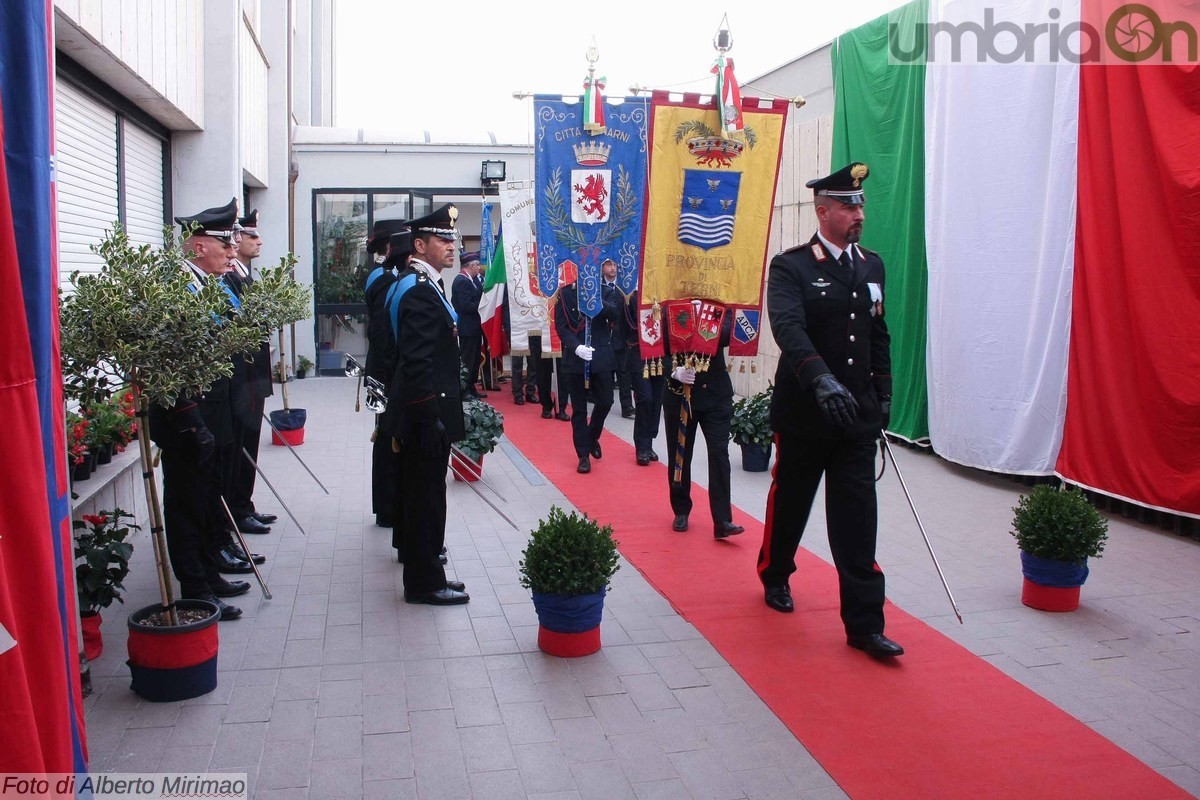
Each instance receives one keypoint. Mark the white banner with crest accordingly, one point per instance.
(527, 311)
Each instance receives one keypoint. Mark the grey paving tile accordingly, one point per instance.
(292, 719)
(649, 692)
(582, 739)
(502, 785)
(250, 704)
(285, 765)
(185, 759)
(337, 780)
(627, 659)
(436, 755)
(386, 713)
(338, 738)
(298, 683)
(563, 698)
(340, 699)
(669, 789)
(427, 692)
(195, 725)
(467, 672)
(706, 779)
(405, 789)
(543, 768)
(527, 723)
(602, 780)
(239, 744)
(641, 757)
(474, 707)
(487, 749)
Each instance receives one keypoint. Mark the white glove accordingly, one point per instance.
(584, 352)
(684, 375)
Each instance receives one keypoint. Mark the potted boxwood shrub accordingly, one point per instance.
(101, 564)
(139, 321)
(751, 428)
(567, 565)
(1057, 531)
(484, 426)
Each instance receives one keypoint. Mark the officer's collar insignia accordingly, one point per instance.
(821, 283)
(819, 252)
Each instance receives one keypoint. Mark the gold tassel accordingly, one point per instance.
(753, 367)
(374, 435)
(730, 367)
(645, 369)
(395, 445)
(741, 365)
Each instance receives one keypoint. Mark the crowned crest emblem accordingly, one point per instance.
(591, 154)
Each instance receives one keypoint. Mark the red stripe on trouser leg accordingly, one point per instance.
(764, 553)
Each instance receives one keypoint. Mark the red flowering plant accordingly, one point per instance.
(77, 435)
(127, 429)
(101, 558)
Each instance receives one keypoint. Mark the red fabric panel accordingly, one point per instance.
(1133, 383)
(173, 650)
(33, 726)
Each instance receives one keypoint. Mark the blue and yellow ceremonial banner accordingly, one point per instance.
(590, 192)
(708, 215)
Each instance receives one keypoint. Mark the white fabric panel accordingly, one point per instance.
(527, 312)
(143, 186)
(86, 169)
(1000, 174)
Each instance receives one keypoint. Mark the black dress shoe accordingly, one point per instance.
(643, 458)
(563, 415)
(547, 413)
(653, 456)
(780, 599)
(265, 519)
(226, 562)
(252, 525)
(585, 466)
(874, 644)
(681, 523)
(445, 597)
(481, 395)
(234, 550)
(457, 586)
(383, 520)
(519, 400)
(442, 559)
(723, 530)
(228, 612)
(531, 397)
(224, 588)
(597, 453)
(627, 413)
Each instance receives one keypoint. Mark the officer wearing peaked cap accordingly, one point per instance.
(381, 365)
(425, 412)
(832, 396)
(191, 431)
(250, 386)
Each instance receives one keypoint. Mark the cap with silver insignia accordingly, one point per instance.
(219, 223)
(440, 223)
(249, 224)
(845, 185)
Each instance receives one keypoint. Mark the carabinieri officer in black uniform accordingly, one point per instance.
(425, 406)
(832, 396)
(381, 365)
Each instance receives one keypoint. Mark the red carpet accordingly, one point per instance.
(938, 722)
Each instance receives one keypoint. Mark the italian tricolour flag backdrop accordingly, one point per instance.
(1040, 223)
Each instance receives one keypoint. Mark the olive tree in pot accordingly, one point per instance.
(140, 320)
(484, 427)
(751, 428)
(1057, 531)
(567, 566)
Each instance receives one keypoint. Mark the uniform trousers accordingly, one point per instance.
(383, 476)
(247, 433)
(625, 368)
(713, 415)
(525, 378)
(585, 432)
(421, 507)
(850, 513)
(188, 489)
(469, 348)
(648, 402)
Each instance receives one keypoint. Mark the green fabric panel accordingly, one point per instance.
(879, 118)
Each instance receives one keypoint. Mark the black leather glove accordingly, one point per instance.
(431, 438)
(837, 405)
(885, 410)
(205, 444)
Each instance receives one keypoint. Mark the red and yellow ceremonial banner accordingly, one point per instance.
(708, 215)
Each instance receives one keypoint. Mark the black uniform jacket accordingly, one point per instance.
(381, 345)
(464, 296)
(251, 379)
(426, 384)
(828, 321)
(607, 329)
